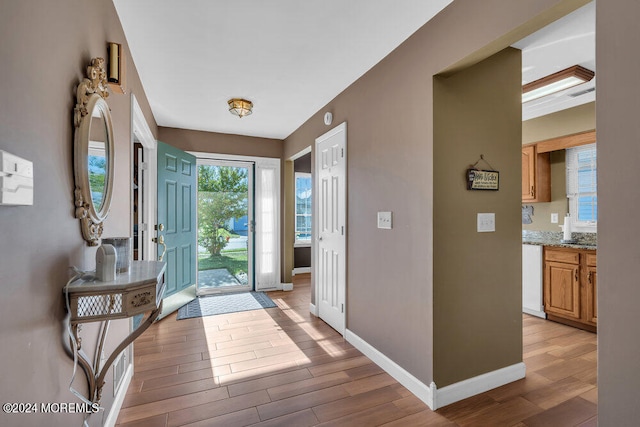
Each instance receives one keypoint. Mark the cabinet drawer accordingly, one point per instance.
(569, 257)
(591, 260)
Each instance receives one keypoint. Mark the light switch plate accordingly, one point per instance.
(486, 222)
(385, 220)
(554, 218)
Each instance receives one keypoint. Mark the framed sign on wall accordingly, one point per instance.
(483, 180)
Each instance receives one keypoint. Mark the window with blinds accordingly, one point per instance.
(582, 186)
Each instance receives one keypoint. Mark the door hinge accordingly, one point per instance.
(343, 230)
(143, 227)
(144, 166)
(342, 307)
(342, 152)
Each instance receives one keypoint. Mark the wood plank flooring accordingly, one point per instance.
(284, 367)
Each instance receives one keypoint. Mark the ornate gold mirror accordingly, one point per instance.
(93, 152)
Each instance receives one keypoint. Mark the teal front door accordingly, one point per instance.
(176, 228)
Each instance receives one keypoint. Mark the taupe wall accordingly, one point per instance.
(46, 47)
(617, 112)
(288, 220)
(477, 292)
(220, 143)
(566, 122)
(390, 167)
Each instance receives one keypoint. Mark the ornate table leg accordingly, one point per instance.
(95, 379)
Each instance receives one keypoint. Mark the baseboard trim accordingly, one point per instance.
(301, 270)
(414, 385)
(287, 286)
(437, 398)
(476, 385)
(536, 313)
(119, 398)
(313, 309)
(277, 287)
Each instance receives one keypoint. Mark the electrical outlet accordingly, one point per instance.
(486, 222)
(385, 220)
(554, 218)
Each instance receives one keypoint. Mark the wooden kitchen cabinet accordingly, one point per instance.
(570, 287)
(592, 290)
(536, 175)
(562, 290)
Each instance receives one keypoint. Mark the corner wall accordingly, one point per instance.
(477, 292)
(618, 127)
(220, 143)
(46, 48)
(389, 112)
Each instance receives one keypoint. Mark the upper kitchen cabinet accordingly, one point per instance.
(536, 175)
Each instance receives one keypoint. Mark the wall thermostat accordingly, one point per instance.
(328, 118)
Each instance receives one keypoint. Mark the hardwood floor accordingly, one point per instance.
(284, 367)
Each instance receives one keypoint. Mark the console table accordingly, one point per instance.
(134, 292)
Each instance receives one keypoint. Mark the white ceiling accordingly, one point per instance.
(292, 57)
(569, 41)
(289, 57)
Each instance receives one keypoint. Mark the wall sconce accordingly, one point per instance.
(116, 68)
(556, 82)
(240, 107)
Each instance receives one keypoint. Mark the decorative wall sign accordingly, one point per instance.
(483, 180)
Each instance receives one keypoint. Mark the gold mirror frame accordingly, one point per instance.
(90, 103)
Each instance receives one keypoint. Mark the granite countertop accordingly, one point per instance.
(554, 238)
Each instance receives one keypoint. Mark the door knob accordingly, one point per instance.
(159, 227)
(160, 241)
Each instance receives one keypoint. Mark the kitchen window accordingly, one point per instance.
(303, 209)
(582, 187)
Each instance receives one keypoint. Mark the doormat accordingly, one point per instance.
(211, 305)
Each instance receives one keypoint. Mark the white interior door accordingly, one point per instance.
(331, 229)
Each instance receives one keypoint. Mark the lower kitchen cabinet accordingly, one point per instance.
(570, 286)
(592, 290)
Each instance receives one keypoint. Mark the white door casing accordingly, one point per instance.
(147, 215)
(330, 214)
(266, 217)
(249, 166)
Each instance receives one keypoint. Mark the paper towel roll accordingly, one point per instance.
(567, 228)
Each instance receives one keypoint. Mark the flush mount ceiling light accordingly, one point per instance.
(240, 107)
(556, 82)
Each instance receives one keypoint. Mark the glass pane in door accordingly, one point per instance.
(225, 239)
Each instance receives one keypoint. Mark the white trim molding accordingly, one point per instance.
(476, 385)
(430, 394)
(536, 313)
(301, 270)
(414, 385)
(313, 309)
(119, 399)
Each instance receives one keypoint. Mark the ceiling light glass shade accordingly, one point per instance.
(240, 107)
(556, 82)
